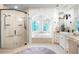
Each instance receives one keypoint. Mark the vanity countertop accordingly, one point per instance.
(75, 38)
(71, 36)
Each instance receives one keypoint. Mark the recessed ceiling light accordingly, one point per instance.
(57, 5)
(20, 19)
(15, 7)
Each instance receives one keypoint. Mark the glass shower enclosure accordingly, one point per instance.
(13, 28)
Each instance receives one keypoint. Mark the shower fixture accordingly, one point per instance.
(5, 16)
(15, 7)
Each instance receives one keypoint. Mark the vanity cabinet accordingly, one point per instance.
(72, 46)
(62, 41)
(68, 43)
(56, 38)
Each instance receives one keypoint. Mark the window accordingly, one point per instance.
(77, 25)
(40, 24)
(34, 26)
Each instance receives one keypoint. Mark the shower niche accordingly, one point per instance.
(13, 28)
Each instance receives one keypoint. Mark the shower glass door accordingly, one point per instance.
(13, 29)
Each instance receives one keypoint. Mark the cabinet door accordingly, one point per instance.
(62, 41)
(73, 49)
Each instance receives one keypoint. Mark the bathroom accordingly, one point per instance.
(36, 26)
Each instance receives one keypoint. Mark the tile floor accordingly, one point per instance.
(56, 48)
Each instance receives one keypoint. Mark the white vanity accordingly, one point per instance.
(69, 42)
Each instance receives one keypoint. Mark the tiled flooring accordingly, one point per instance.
(56, 48)
(12, 51)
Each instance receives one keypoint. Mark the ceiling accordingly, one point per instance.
(25, 6)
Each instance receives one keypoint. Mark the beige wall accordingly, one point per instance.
(2, 6)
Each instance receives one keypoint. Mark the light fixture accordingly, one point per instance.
(15, 7)
(20, 19)
(57, 5)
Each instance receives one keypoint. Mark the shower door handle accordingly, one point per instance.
(24, 25)
(15, 32)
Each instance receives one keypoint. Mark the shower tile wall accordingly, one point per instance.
(14, 33)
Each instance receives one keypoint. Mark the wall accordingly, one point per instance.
(1, 7)
(52, 14)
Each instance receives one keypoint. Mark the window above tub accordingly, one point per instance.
(40, 26)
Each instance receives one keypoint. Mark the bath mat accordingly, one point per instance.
(37, 50)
